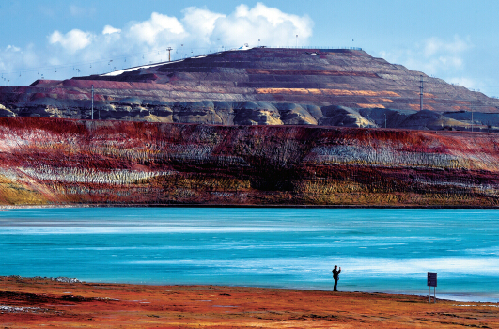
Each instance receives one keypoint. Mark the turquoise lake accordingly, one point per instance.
(379, 250)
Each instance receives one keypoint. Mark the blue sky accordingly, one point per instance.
(457, 41)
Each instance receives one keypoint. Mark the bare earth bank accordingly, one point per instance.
(35, 302)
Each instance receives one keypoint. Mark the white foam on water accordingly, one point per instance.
(493, 250)
(475, 305)
(355, 267)
(141, 230)
(416, 267)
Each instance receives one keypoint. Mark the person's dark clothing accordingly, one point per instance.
(336, 277)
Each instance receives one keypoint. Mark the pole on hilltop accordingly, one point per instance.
(169, 51)
(92, 102)
(421, 94)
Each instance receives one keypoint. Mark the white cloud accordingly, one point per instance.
(466, 82)
(108, 29)
(14, 62)
(435, 46)
(200, 22)
(156, 29)
(72, 41)
(30, 58)
(451, 59)
(13, 48)
(272, 26)
(444, 55)
(197, 31)
(445, 59)
(481, 84)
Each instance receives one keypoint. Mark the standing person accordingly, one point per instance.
(336, 272)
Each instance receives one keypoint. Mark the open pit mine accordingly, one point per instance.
(254, 127)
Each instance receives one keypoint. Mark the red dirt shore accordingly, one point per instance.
(37, 302)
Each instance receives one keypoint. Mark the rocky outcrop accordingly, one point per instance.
(72, 161)
(4, 112)
(261, 86)
(344, 116)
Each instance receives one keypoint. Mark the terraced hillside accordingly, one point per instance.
(73, 161)
(263, 86)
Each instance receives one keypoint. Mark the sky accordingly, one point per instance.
(457, 40)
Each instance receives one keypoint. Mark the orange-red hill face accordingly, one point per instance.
(67, 161)
(261, 86)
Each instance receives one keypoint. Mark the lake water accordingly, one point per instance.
(385, 250)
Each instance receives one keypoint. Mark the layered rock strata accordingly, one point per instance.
(262, 86)
(70, 161)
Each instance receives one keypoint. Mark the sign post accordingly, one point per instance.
(432, 282)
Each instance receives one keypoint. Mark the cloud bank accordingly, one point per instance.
(437, 57)
(198, 31)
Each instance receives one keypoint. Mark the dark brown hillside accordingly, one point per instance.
(262, 86)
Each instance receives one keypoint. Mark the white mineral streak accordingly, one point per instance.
(201, 153)
(485, 189)
(350, 154)
(68, 174)
(135, 155)
(18, 309)
(10, 140)
(10, 174)
(66, 279)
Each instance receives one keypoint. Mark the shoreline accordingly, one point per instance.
(472, 297)
(439, 295)
(236, 206)
(30, 302)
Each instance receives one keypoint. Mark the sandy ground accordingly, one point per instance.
(38, 303)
